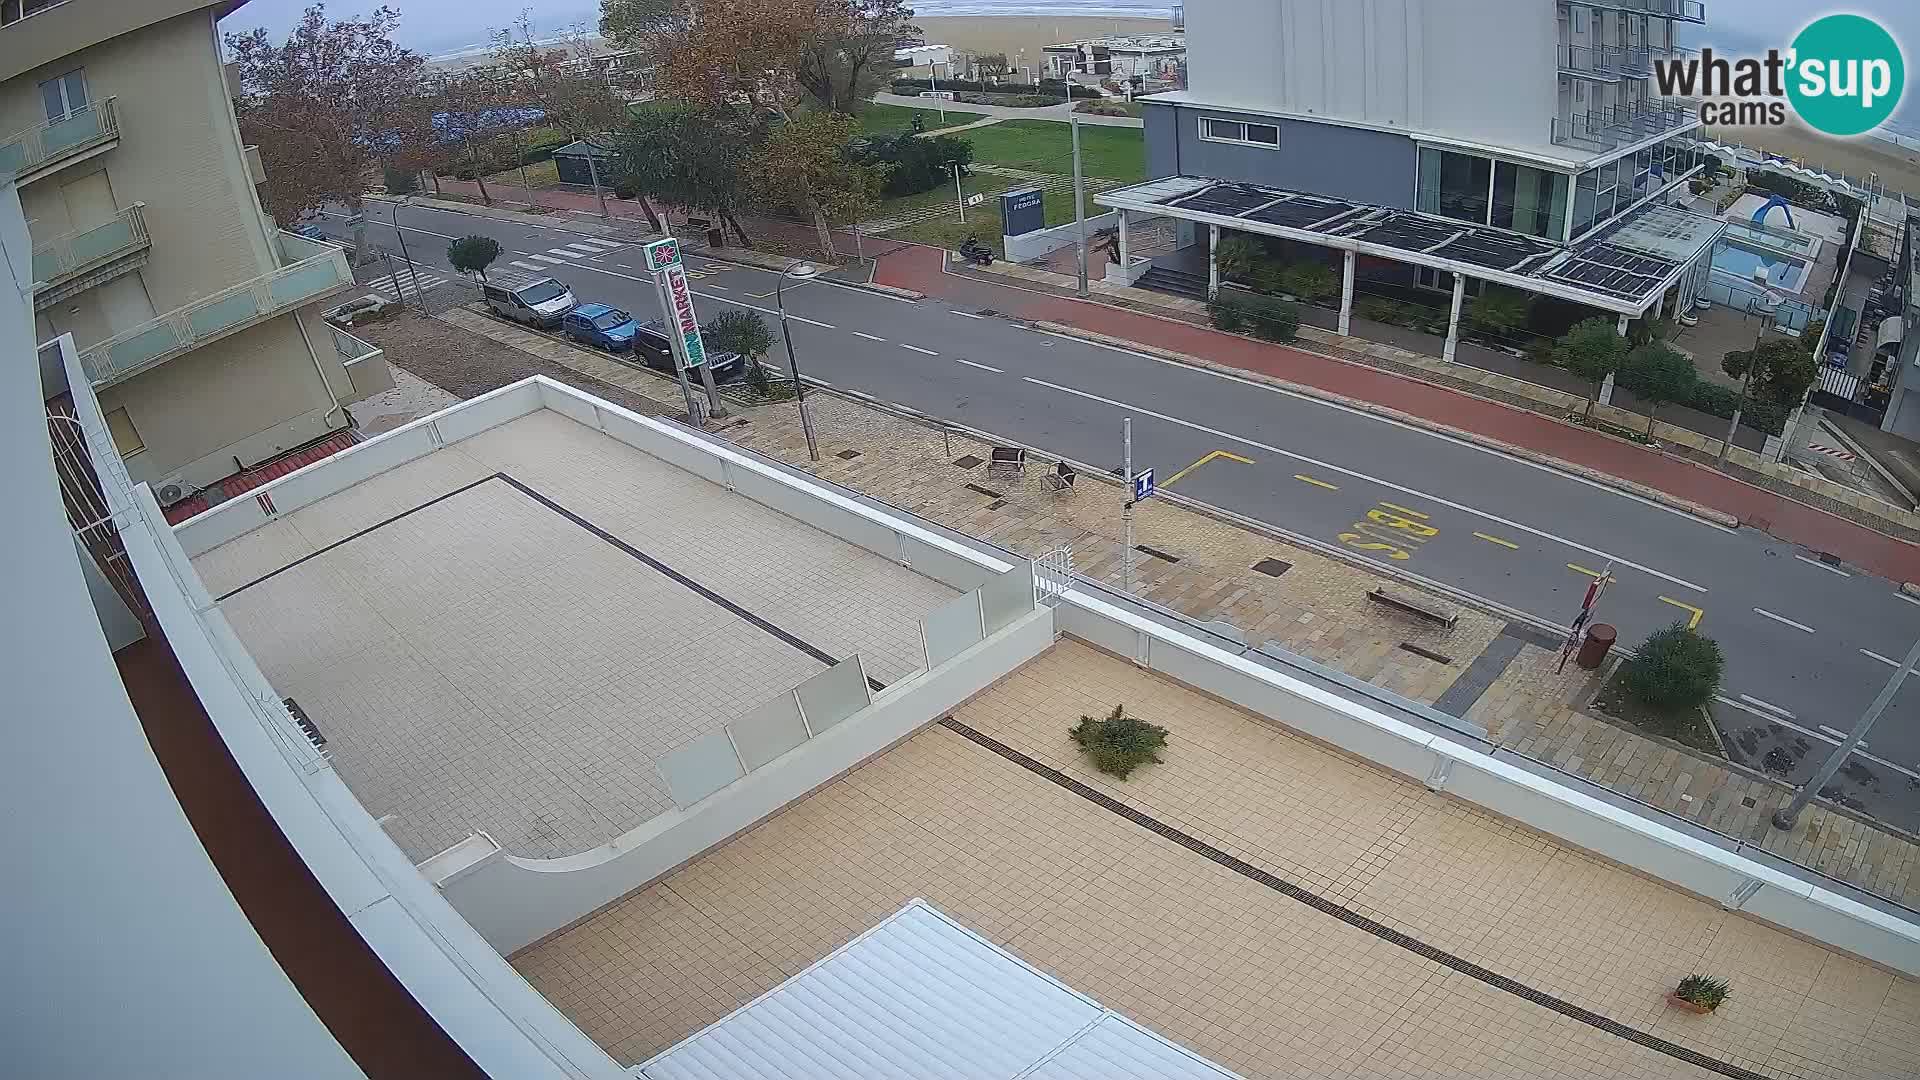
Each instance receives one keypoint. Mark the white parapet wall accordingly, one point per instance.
(1042, 242)
(1802, 904)
(515, 902)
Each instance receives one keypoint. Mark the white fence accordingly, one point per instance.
(1651, 847)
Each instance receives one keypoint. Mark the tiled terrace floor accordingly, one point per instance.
(1210, 956)
(488, 662)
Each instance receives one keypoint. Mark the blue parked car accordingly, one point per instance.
(599, 324)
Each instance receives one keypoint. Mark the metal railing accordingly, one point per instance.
(310, 268)
(1583, 130)
(1592, 61)
(349, 347)
(1686, 10)
(62, 256)
(81, 129)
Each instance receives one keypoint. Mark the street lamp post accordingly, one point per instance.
(393, 215)
(798, 272)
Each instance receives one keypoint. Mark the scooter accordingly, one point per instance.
(975, 252)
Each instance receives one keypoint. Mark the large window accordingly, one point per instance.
(63, 95)
(1453, 185)
(1214, 129)
(1529, 200)
(1586, 201)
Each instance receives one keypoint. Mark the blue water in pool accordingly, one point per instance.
(1740, 260)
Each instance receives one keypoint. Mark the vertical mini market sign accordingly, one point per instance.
(1844, 75)
(676, 295)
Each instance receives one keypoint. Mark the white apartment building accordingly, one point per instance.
(197, 318)
(1533, 118)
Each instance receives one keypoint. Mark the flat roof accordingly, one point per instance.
(1625, 267)
(506, 634)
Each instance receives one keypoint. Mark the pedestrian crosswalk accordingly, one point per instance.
(411, 284)
(566, 254)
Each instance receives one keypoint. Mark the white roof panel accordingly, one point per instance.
(919, 996)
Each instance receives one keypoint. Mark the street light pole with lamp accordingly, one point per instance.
(798, 272)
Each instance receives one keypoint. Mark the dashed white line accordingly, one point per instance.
(869, 337)
(1887, 660)
(563, 252)
(548, 259)
(804, 319)
(710, 284)
(1765, 614)
(1823, 566)
(918, 349)
(581, 248)
(968, 315)
(525, 265)
(1767, 705)
(1908, 599)
(1834, 733)
(1682, 582)
(982, 367)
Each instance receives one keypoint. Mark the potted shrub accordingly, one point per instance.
(1698, 994)
(1119, 743)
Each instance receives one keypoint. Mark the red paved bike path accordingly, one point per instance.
(921, 269)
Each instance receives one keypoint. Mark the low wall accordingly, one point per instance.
(1041, 242)
(514, 902)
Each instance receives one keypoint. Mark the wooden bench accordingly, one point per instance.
(1419, 608)
(1012, 459)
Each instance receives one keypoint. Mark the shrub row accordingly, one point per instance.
(1047, 87)
(1716, 400)
(1264, 316)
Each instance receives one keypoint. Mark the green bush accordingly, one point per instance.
(1498, 310)
(401, 181)
(1011, 101)
(1310, 281)
(1267, 317)
(1118, 743)
(1238, 256)
(473, 254)
(1675, 668)
(1224, 312)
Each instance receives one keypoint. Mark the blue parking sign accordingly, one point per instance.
(1143, 485)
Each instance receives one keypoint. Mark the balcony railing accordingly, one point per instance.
(1592, 62)
(71, 135)
(309, 269)
(1684, 10)
(1584, 131)
(349, 347)
(57, 260)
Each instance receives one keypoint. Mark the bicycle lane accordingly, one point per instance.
(922, 269)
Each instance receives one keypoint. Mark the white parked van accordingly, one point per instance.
(535, 301)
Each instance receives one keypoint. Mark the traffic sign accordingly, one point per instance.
(1143, 485)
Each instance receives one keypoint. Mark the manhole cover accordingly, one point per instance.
(847, 455)
(967, 462)
(1272, 567)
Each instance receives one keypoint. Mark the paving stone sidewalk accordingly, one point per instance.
(1314, 607)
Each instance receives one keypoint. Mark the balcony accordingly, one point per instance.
(67, 265)
(1599, 63)
(41, 151)
(309, 270)
(1683, 10)
(1584, 131)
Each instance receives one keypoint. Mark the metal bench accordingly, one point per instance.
(1061, 478)
(1009, 459)
(1422, 609)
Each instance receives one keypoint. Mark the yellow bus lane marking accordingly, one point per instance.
(1497, 540)
(1228, 454)
(1305, 479)
(1697, 612)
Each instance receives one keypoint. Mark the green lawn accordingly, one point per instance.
(875, 118)
(1047, 146)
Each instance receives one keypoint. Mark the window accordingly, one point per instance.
(15, 10)
(1214, 129)
(64, 94)
(1529, 200)
(125, 438)
(1586, 201)
(1453, 185)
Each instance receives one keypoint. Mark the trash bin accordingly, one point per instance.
(1594, 649)
(715, 238)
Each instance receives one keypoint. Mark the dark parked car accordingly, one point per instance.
(599, 324)
(652, 347)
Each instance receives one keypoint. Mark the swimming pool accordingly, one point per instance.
(1738, 260)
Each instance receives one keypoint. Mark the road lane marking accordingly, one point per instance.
(1767, 705)
(1283, 392)
(1823, 566)
(1887, 660)
(969, 315)
(1305, 479)
(582, 249)
(548, 259)
(525, 265)
(1449, 503)
(604, 245)
(1578, 569)
(1497, 540)
(982, 367)
(1908, 599)
(1402, 509)
(710, 285)
(1835, 733)
(918, 349)
(1697, 612)
(564, 253)
(1765, 614)
(869, 337)
(1228, 454)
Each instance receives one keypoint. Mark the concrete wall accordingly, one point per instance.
(515, 902)
(1482, 72)
(178, 152)
(1324, 159)
(249, 395)
(1041, 242)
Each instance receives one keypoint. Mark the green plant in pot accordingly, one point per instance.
(1699, 993)
(1117, 743)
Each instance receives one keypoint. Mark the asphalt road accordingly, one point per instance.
(1808, 645)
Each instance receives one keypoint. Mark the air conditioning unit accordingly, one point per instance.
(168, 492)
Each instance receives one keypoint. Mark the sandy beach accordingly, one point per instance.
(1898, 168)
(1011, 34)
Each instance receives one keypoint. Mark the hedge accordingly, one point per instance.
(1716, 400)
(1264, 316)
